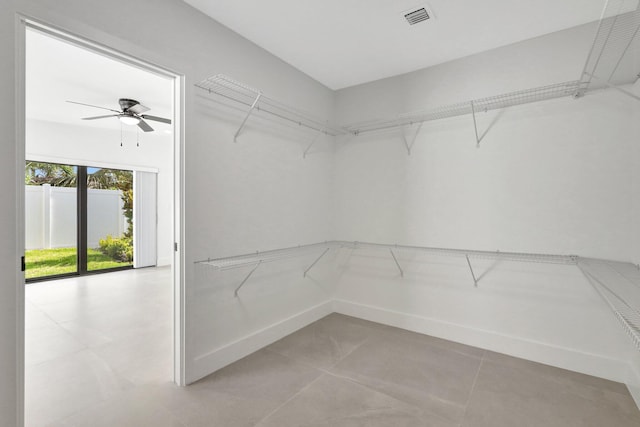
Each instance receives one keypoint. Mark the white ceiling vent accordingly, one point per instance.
(416, 15)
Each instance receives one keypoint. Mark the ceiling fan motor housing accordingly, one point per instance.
(126, 103)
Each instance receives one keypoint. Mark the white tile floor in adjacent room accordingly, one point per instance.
(98, 354)
(91, 340)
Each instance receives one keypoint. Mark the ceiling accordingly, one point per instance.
(57, 71)
(342, 43)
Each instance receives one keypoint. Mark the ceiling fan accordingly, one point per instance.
(130, 113)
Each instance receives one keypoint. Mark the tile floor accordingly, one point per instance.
(99, 371)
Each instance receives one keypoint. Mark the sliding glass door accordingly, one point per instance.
(51, 220)
(79, 220)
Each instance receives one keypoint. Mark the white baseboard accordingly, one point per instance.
(561, 357)
(162, 261)
(205, 364)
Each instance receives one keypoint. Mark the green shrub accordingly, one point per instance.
(118, 248)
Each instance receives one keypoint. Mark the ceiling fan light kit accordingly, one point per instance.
(129, 119)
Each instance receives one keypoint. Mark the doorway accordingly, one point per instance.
(98, 143)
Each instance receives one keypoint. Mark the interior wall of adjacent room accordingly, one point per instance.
(256, 194)
(90, 145)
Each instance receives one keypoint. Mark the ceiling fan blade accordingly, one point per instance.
(155, 118)
(100, 117)
(94, 106)
(144, 126)
(138, 109)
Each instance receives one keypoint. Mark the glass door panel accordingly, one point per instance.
(51, 223)
(109, 218)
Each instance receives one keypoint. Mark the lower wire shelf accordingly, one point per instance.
(620, 293)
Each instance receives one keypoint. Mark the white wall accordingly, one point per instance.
(96, 146)
(279, 198)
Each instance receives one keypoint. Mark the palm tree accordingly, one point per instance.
(38, 173)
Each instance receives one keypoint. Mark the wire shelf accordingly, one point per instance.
(510, 99)
(506, 256)
(252, 98)
(616, 36)
(284, 253)
(244, 260)
(613, 292)
(622, 298)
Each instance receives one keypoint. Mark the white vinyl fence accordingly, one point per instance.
(51, 216)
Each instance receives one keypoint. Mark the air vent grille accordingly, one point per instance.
(416, 16)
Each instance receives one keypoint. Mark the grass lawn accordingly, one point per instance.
(49, 262)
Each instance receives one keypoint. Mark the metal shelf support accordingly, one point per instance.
(315, 262)
(475, 125)
(413, 139)
(235, 293)
(475, 281)
(397, 263)
(304, 155)
(253, 106)
(612, 86)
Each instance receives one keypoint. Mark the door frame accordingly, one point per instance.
(178, 206)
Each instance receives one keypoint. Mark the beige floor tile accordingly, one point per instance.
(510, 393)
(336, 402)
(432, 377)
(379, 329)
(240, 394)
(323, 343)
(561, 375)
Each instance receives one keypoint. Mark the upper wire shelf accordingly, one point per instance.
(608, 62)
(510, 99)
(506, 256)
(254, 99)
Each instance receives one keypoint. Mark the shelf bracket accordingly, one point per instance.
(315, 262)
(253, 106)
(475, 281)
(413, 140)
(304, 155)
(475, 124)
(397, 263)
(612, 86)
(246, 278)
